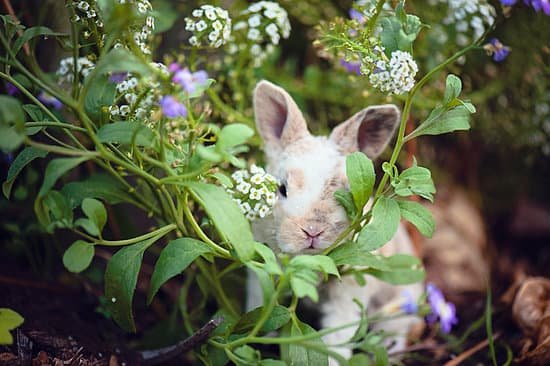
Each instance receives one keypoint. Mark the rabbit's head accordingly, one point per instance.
(306, 217)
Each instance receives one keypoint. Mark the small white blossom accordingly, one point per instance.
(397, 76)
(210, 25)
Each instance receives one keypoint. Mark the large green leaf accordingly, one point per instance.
(233, 134)
(99, 186)
(9, 320)
(404, 270)
(12, 123)
(352, 254)
(125, 133)
(278, 317)
(27, 155)
(443, 120)
(78, 256)
(31, 33)
(361, 176)
(121, 279)
(100, 95)
(382, 226)
(174, 259)
(226, 217)
(419, 216)
(55, 169)
(295, 354)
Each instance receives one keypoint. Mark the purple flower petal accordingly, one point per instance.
(171, 108)
(174, 67)
(118, 77)
(50, 100)
(11, 89)
(441, 310)
(351, 67)
(508, 2)
(357, 15)
(190, 81)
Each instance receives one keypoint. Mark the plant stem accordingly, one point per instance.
(159, 232)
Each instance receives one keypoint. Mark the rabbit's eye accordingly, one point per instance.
(282, 190)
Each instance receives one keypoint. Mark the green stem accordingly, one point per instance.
(159, 232)
(267, 310)
(224, 253)
(54, 124)
(221, 297)
(61, 150)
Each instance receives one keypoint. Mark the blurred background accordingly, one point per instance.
(492, 208)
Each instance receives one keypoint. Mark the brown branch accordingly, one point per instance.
(9, 9)
(469, 352)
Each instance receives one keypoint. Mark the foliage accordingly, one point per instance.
(165, 137)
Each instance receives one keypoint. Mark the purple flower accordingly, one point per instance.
(174, 67)
(171, 108)
(118, 77)
(50, 100)
(441, 310)
(497, 50)
(539, 4)
(508, 2)
(357, 15)
(11, 89)
(351, 67)
(190, 81)
(409, 304)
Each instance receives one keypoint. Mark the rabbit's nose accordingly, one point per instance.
(312, 232)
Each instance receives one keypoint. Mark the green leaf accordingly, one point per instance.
(209, 153)
(382, 226)
(304, 283)
(121, 279)
(121, 60)
(443, 120)
(27, 155)
(360, 359)
(248, 356)
(352, 254)
(321, 263)
(271, 265)
(35, 112)
(226, 216)
(88, 225)
(404, 270)
(78, 256)
(419, 216)
(266, 282)
(55, 169)
(345, 199)
(101, 186)
(101, 94)
(12, 123)
(174, 259)
(396, 35)
(30, 33)
(278, 318)
(453, 87)
(53, 210)
(361, 176)
(223, 179)
(296, 355)
(415, 180)
(272, 362)
(126, 133)
(9, 320)
(95, 211)
(232, 135)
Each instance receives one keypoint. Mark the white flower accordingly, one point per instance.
(263, 211)
(255, 194)
(396, 77)
(245, 207)
(272, 29)
(217, 25)
(200, 25)
(197, 13)
(193, 41)
(255, 50)
(239, 25)
(253, 34)
(213, 36)
(244, 187)
(257, 178)
(254, 169)
(255, 20)
(124, 110)
(210, 14)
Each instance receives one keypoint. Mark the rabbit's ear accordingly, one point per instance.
(369, 130)
(278, 119)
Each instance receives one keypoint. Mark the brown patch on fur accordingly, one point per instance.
(296, 179)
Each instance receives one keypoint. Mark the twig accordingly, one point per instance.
(469, 352)
(157, 356)
(9, 9)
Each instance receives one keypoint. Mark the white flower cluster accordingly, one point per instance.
(210, 25)
(265, 23)
(395, 76)
(136, 98)
(143, 32)
(254, 191)
(65, 72)
(469, 17)
(86, 11)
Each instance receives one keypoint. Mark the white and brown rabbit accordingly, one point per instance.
(307, 218)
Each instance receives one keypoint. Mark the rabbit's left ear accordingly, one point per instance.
(369, 130)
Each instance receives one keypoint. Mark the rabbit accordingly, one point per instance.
(306, 217)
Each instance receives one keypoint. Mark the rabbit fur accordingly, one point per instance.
(308, 219)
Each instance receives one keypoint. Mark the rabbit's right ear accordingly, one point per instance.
(278, 118)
